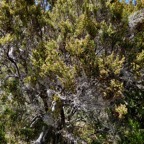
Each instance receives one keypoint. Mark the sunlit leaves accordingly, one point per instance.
(110, 64)
(85, 53)
(121, 110)
(6, 39)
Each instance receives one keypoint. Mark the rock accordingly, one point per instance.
(136, 20)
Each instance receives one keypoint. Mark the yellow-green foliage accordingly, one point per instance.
(114, 90)
(6, 39)
(53, 66)
(138, 63)
(63, 10)
(121, 110)
(109, 69)
(116, 12)
(82, 53)
(65, 27)
(85, 24)
(106, 31)
(80, 25)
(110, 65)
(84, 47)
(140, 59)
(85, 131)
(81, 46)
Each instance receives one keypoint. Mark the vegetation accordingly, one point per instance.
(71, 71)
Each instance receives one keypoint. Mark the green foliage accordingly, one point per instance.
(2, 134)
(87, 55)
(134, 134)
(110, 64)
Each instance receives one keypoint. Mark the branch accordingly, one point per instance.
(35, 120)
(12, 61)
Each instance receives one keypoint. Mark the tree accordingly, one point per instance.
(71, 71)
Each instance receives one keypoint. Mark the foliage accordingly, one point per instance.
(71, 71)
